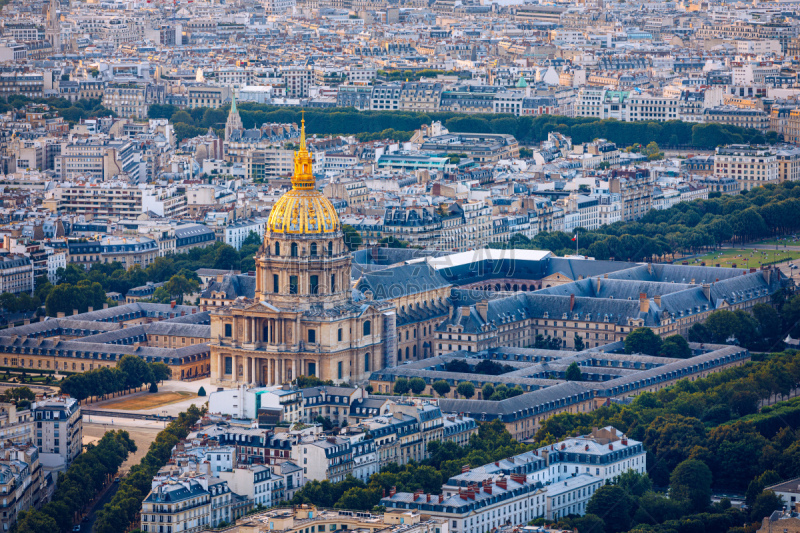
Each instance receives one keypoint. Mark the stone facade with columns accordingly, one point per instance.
(302, 320)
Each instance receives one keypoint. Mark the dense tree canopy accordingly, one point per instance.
(527, 129)
(688, 227)
(79, 484)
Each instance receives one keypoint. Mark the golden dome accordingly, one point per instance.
(303, 209)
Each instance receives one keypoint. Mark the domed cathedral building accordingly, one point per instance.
(303, 319)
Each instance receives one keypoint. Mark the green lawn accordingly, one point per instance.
(747, 258)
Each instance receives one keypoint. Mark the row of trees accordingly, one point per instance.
(117, 514)
(527, 129)
(762, 330)
(76, 488)
(130, 373)
(72, 112)
(491, 443)
(688, 227)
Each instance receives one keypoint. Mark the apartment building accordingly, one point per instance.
(16, 274)
(193, 502)
(16, 426)
(643, 106)
(386, 96)
(635, 189)
(108, 199)
(750, 166)
(164, 202)
(744, 118)
(586, 210)
(237, 232)
(207, 96)
(420, 96)
(482, 147)
(126, 99)
(22, 482)
(59, 431)
(354, 192)
(102, 159)
(328, 458)
(261, 160)
(129, 251)
(297, 80)
(26, 83)
(788, 164)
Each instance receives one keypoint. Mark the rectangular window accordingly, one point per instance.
(313, 284)
(228, 330)
(312, 336)
(292, 284)
(339, 335)
(275, 283)
(339, 369)
(229, 365)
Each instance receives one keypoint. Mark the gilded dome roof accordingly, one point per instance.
(303, 209)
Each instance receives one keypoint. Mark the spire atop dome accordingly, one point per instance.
(303, 177)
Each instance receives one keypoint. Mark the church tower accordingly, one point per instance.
(234, 120)
(53, 28)
(302, 319)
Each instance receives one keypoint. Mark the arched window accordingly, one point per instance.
(367, 328)
(277, 248)
(294, 249)
(400, 355)
(330, 247)
(366, 362)
(406, 352)
(415, 352)
(313, 249)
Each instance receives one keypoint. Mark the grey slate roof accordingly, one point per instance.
(402, 280)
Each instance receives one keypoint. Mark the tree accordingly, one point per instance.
(589, 523)
(487, 391)
(352, 239)
(573, 373)
(417, 385)
(201, 392)
(757, 486)
(392, 242)
(161, 372)
(226, 258)
(690, 482)
(466, 389)
(401, 386)
(675, 346)
(160, 270)
(765, 504)
(135, 371)
(179, 285)
(643, 340)
(579, 344)
(613, 506)
(441, 387)
(769, 323)
(153, 387)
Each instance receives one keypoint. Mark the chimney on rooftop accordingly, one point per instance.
(571, 302)
(644, 303)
